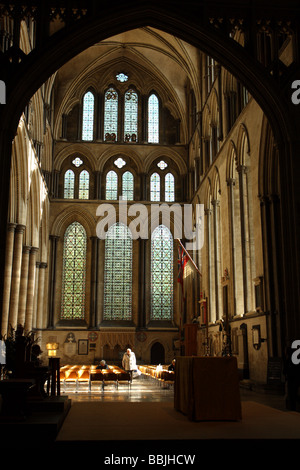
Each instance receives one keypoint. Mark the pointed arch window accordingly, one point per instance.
(153, 119)
(155, 187)
(112, 185)
(169, 187)
(69, 184)
(88, 116)
(161, 274)
(74, 273)
(131, 116)
(84, 183)
(118, 273)
(128, 186)
(111, 115)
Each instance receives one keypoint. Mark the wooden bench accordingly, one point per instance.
(90, 374)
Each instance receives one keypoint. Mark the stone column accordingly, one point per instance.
(36, 287)
(142, 277)
(16, 276)
(23, 285)
(100, 289)
(216, 206)
(31, 289)
(40, 323)
(53, 254)
(211, 312)
(244, 236)
(7, 276)
(97, 185)
(231, 184)
(94, 282)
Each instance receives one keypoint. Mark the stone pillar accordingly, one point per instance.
(142, 277)
(7, 276)
(216, 207)
(16, 276)
(97, 185)
(53, 254)
(36, 288)
(40, 323)
(23, 285)
(231, 184)
(211, 312)
(94, 282)
(100, 294)
(31, 289)
(244, 236)
(143, 188)
(270, 274)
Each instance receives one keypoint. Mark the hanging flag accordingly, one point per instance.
(182, 260)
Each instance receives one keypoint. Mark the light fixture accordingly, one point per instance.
(52, 348)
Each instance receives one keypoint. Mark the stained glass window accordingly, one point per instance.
(120, 162)
(162, 165)
(161, 274)
(84, 183)
(118, 273)
(77, 162)
(112, 185)
(88, 116)
(131, 116)
(111, 115)
(122, 77)
(69, 182)
(74, 273)
(153, 119)
(127, 186)
(155, 187)
(169, 187)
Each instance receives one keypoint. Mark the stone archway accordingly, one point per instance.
(206, 25)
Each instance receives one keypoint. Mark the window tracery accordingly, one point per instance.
(74, 273)
(161, 274)
(118, 273)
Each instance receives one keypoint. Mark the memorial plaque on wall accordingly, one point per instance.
(69, 349)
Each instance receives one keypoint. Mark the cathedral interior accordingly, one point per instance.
(160, 127)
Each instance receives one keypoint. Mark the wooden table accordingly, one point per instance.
(207, 388)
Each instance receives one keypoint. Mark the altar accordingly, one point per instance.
(207, 388)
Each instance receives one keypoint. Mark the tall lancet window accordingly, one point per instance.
(169, 187)
(88, 116)
(128, 186)
(112, 186)
(84, 183)
(131, 116)
(69, 184)
(161, 274)
(111, 115)
(153, 119)
(74, 273)
(118, 273)
(155, 187)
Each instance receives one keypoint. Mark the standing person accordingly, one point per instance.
(129, 362)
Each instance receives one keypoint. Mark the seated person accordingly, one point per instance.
(102, 365)
(172, 366)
